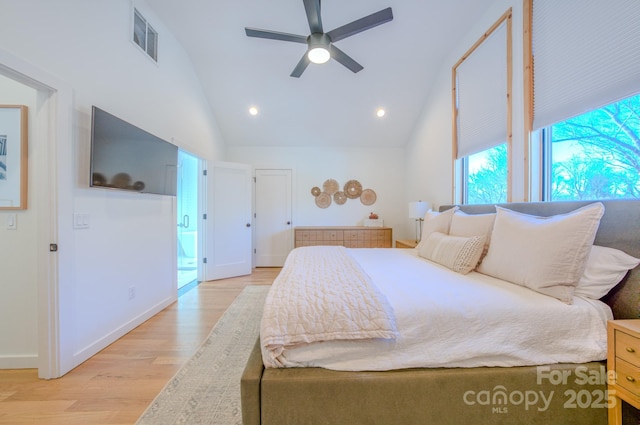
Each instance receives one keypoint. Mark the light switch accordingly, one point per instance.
(12, 221)
(80, 221)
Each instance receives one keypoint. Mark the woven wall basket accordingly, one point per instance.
(353, 189)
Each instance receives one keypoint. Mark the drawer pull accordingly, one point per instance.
(630, 350)
(631, 379)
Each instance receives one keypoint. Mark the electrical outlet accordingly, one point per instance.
(132, 292)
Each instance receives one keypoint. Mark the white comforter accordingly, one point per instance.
(322, 294)
(445, 319)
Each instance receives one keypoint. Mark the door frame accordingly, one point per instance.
(55, 275)
(200, 207)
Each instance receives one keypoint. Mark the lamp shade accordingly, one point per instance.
(418, 209)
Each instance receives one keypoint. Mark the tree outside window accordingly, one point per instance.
(487, 174)
(597, 155)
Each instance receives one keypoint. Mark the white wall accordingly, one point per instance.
(379, 169)
(18, 281)
(429, 152)
(131, 238)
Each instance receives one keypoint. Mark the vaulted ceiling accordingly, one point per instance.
(328, 105)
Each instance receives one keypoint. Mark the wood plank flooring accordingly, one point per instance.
(117, 384)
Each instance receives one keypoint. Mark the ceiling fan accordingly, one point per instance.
(320, 44)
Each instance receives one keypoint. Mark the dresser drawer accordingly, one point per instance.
(627, 347)
(628, 376)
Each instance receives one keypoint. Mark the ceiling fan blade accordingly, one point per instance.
(345, 59)
(275, 35)
(312, 7)
(301, 66)
(362, 24)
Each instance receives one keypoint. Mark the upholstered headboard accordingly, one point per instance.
(619, 228)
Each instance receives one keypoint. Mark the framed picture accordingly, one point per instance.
(13, 157)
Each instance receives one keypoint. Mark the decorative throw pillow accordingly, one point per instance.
(463, 224)
(545, 254)
(458, 253)
(436, 222)
(605, 268)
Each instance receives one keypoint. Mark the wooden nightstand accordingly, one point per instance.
(406, 243)
(623, 358)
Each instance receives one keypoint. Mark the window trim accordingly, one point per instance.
(459, 183)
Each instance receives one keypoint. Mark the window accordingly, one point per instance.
(595, 155)
(144, 35)
(486, 176)
(482, 81)
(578, 155)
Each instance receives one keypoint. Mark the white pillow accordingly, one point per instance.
(457, 253)
(436, 222)
(605, 268)
(545, 254)
(463, 224)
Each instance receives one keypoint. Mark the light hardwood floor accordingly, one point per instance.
(117, 384)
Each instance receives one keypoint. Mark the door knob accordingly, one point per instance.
(288, 223)
(248, 224)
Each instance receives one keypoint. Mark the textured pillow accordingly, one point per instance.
(545, 254)
(436, 222)
(457, 253)
(605, 268)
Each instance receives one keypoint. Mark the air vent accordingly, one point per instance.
(144, 35)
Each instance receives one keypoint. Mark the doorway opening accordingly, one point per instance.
(187, 217)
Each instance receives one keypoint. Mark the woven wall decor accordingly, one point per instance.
(353, 189)
(323, 200)
(331, 186)
(368, 197)
(331, 192)
(339, 197)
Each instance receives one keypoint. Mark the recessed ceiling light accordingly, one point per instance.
(253, 110)
(380, 112)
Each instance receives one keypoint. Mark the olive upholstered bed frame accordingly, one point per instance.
(552, 394)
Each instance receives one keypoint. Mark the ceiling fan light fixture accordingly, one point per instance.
(319, 55)
(319, 48)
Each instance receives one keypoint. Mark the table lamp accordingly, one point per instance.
(417, 210)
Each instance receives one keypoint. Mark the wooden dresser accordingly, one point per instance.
(351, 237)
(623, 360)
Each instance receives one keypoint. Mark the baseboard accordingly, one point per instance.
(92, 349)
(26, 361)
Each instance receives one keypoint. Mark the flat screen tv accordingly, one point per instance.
(126, 157)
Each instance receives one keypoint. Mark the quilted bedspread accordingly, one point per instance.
(322, 294)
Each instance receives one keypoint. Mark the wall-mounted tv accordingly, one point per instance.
(126, 157)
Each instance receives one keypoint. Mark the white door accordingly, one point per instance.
(228, 224)
(273, 217)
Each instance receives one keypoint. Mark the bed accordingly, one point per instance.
(566, 391)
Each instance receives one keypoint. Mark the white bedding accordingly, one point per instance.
(446, 319)
(327, 297)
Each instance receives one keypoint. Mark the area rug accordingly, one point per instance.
(206, 390)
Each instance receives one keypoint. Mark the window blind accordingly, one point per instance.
(481, 95)
(586, 54)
